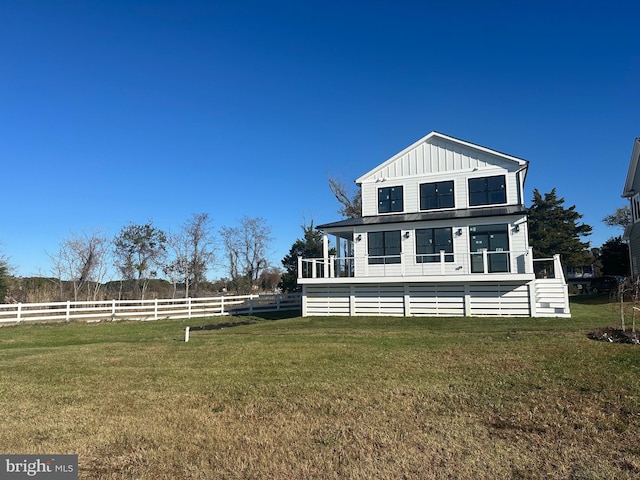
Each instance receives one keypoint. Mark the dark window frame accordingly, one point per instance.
(436, 199)
(386, 246)
(496, 234)
(429, 244)
(391, 199)
(490, 190)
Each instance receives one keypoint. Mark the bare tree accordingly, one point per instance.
(5, 270)
(193, 251)
(622, 217)
(82, 260)
(351, 202)
(139, 251)
(246, 247)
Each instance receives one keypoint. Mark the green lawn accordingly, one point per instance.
(329, 398)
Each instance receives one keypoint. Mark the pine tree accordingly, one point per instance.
(614, 255)
(555, 229)
(310, 246)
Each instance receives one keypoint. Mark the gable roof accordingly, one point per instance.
(633, 166)
(436, 153)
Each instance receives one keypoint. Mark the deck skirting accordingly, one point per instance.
(537, 298)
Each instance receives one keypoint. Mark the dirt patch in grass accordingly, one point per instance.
(614, 335)
(219, 326)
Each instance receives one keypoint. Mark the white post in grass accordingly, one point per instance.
(186, 335)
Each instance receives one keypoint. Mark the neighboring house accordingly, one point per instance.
(443, 232)
(632, 192)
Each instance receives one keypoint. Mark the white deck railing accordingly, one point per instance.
(148, 309)
(414, 265)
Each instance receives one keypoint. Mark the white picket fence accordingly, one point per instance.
(156, 309)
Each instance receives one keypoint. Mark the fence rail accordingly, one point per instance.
(156, 309)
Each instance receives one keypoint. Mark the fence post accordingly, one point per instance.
(68, 310)
(299, 267)
(221, 305)
(19, 312)
(155, 309)
(189, 307)
(251, 304)
(113, 309)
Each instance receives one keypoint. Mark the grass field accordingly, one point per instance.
(326, 398)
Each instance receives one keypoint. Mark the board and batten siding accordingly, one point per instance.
(436, 155)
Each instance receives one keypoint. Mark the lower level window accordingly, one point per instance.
(384, 247)
(430, 242)
(495, 240)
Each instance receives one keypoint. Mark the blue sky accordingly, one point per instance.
(117, 112)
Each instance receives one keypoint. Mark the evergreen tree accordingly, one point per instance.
(555, 229)
(614, 255)
(310, 246)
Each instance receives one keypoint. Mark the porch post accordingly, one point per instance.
(325, 254)
(528, 261)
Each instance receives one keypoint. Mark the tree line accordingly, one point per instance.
(142, 260)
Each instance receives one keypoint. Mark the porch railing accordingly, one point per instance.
(410, 264)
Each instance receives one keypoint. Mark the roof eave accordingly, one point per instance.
(633, 166)
(520, 161)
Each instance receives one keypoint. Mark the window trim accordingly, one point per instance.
(434, 257)
(391, 200)
(486, 191)
(438, 197)
(386, 257)
(494, 255)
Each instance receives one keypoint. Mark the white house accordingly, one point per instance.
(632, 192)
(443, 232)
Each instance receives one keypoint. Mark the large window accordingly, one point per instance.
(430, 242)
(436, 195)
(390, 199)
(494, 239)
(384, 247)
(487, 190)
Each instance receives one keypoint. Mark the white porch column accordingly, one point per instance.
(325, 254)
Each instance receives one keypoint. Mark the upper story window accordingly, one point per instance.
(384, 247)
(431, 241)
(390, 199)
(487, 190)
(436, 195)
